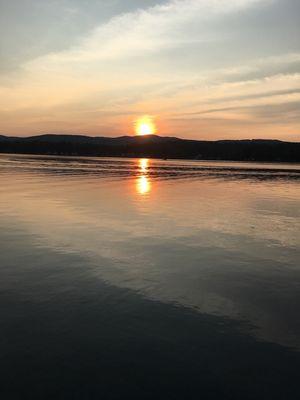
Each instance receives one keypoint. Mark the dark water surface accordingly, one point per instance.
(148, 279)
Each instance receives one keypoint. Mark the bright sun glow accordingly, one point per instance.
(145, 126)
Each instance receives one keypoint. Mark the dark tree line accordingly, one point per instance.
(155, 147)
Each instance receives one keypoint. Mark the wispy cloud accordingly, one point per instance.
(144, 32)
(181, 58)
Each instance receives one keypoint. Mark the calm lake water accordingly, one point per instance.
(148, 279)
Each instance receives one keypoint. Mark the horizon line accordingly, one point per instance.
(147, 135)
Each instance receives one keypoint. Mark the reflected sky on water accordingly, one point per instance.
(215, 239)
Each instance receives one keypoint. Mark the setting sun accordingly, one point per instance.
(145, 126)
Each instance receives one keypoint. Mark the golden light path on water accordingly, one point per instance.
(143, 184)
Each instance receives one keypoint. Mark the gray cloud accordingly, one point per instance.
(282, 111)
(31, 28)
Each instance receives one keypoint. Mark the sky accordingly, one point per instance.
(202, 69)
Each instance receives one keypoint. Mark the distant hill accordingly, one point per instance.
(153, 146)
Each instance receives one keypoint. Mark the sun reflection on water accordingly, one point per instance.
(143, 184)
(144, 164)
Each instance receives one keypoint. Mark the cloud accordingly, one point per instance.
(146, 31)
(182, 59)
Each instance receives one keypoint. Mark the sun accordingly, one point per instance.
(145, 126)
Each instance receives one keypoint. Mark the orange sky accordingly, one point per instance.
(200, 69)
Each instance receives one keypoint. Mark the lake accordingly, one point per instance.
(148, 279)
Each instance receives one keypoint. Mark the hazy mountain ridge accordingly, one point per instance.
(153, 146)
